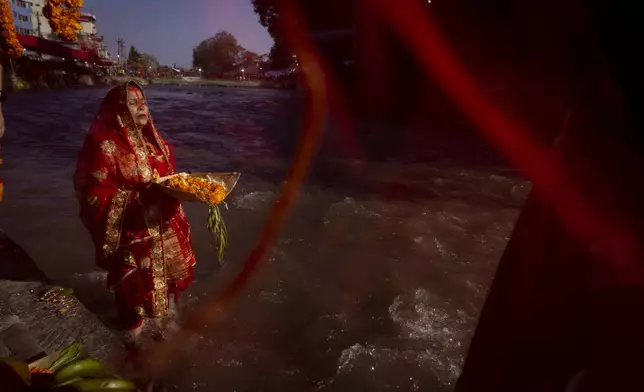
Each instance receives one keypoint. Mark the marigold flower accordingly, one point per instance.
(63, 17)
(11, 43)
(207, 191)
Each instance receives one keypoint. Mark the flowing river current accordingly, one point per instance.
(365, 290)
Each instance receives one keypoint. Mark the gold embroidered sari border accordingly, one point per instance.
(137, 241)
(159, 306)
(115, 221)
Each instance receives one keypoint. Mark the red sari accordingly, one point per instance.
(143, 244)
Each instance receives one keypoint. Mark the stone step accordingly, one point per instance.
(32, 325)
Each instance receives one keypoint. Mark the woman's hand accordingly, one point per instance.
(153, 194)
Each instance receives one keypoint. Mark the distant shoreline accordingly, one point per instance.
(85, 82)
(215, 82)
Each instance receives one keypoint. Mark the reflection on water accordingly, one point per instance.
(374, 284)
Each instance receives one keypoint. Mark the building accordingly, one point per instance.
(88, 23)
(29, 19)
(88, 39)
(23, 16)
(35, 33)
(30, 16)
(40, 22)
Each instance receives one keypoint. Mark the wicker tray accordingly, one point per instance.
(228, 180)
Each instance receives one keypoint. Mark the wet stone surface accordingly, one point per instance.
(36, 324)
(55, 326)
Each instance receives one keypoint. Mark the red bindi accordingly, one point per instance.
(140, 101)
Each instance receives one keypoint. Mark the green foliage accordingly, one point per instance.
(134, 56)
(143, 61)
(269, 17)
(149, 63)
(217, 227)
(218, 54)
(316, 15)
(248, 58)
(281, 55)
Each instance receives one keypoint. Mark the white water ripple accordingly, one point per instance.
(422, 318)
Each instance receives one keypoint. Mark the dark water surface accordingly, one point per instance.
(374, 284)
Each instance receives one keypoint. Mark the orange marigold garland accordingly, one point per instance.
(63, 17)
(9, 36)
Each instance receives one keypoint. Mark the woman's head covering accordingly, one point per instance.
(114, 116)
(114, 105)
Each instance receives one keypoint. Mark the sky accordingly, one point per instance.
(169, 30)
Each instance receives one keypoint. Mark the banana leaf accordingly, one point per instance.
(60, 358)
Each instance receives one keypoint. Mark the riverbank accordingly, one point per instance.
(122, 79)
(19, 84)
(216, 82)
(25, 73)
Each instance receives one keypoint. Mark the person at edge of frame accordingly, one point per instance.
(3, 98)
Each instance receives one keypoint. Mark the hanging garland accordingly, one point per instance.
(10, 41)
(63, 17)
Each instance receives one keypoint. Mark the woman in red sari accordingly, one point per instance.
(141, 234)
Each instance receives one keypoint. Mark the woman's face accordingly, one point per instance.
(138, 106)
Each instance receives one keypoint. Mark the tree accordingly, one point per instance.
(63, 17)
(149, 62)
(269, 17)
(142, 61)
(133, 58)
(316, 14)
(217, 54)
(265, 61)
(280, 55)
(9, 37)
(248, 58)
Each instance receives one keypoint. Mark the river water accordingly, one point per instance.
(368, 287)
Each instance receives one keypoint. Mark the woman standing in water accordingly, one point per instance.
(141, 234)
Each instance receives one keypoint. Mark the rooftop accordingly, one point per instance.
(87, 17)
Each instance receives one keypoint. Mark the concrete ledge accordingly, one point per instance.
(51, 326)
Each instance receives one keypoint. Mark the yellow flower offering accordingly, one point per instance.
(208, 191)
(210, 188)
